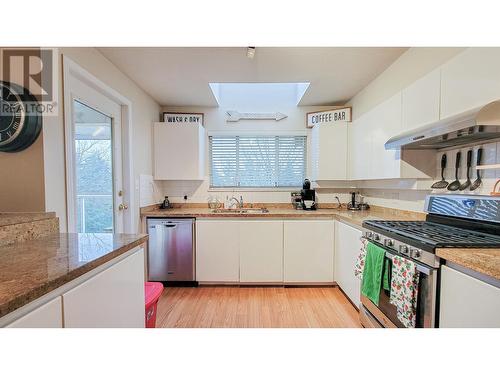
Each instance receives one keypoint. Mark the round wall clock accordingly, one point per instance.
(19, 128)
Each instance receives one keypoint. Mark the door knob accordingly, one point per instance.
(122, 206)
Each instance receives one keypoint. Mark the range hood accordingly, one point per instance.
(477, 125)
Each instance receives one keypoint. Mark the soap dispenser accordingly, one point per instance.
(165, 204)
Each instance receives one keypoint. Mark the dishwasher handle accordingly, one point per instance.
(171, 225)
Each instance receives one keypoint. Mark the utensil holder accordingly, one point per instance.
(496, 189)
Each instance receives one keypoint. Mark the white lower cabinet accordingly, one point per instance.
(308, 251)
(261, 251)
(217, 251)
(467, 302)
(347, 246)
(48, 315)
(112, 298)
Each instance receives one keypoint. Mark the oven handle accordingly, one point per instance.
(425, 270)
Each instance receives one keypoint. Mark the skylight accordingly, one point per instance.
(262, 94)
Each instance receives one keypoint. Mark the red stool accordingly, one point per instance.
(152, 293)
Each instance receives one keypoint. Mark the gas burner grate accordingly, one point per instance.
(437, 235)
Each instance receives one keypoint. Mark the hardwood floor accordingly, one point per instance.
(255, 307)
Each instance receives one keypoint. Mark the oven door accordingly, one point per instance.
(385, 312)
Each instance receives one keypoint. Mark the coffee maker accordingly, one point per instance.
(308, 196)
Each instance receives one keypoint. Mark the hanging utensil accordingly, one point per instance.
(478, 181)
(443, 183)
(467, 183)
(455, 185)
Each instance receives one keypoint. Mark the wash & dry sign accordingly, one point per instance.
(183, 118)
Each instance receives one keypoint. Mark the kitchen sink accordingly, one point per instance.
(240, 211)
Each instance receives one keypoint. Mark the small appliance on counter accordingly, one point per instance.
(296, 199)
(357, 204)
(165, 204)
(308, 196)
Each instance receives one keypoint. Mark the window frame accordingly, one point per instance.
(303, 134)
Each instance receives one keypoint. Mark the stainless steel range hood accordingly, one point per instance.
(480, 124)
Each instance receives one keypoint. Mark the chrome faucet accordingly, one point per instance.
(238, 202)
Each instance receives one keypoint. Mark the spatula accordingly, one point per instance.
(478, 181)
(467, 183)
(443, 183)
(455, 185)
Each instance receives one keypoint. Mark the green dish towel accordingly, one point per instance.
(372, 273)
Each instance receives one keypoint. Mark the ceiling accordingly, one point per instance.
(181, 76)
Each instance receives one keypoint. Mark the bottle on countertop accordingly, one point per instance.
(165, 204)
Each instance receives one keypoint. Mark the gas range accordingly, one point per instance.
(453, 221)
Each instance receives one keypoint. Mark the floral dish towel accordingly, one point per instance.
(404, 290)
(360, 260)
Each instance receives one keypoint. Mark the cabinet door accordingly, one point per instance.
(421, 101)
(467, 302)
(308, 250)
(329, 152)
(217, 251)
(360, 148)
(112, 298)
(470, 80)
(261, 251)
(384, 123)
(179, 152)
(48, 315)
(347, 246)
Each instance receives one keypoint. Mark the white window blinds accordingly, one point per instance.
(257, 161)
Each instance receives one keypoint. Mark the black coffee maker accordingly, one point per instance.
(308, 196)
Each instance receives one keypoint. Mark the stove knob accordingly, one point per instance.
(416, 253)
(376, 237)
(403, 249)
(388, 242)
(369, 234)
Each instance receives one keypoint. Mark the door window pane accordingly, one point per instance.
(94, 170)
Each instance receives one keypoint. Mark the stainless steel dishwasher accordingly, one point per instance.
(171, 250)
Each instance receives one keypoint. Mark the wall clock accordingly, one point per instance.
(18, 128)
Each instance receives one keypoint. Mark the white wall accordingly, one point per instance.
(215, 121)
(145, 111)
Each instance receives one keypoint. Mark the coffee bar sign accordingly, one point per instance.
(183, 118)
(329, 117)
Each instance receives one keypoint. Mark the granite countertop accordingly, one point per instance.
(485, 261)
(352, 217)
(33, 268)
(11, 218)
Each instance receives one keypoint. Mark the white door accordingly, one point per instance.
(217, 251)
(94, 159)
(308, 251)
(261, 251)
(113, 298)
(347, 246)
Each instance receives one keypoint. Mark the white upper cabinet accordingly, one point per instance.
(470, 80)
(360, 144)
(385, 122)
(179, 151)
(329, 152)
(420, 101)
